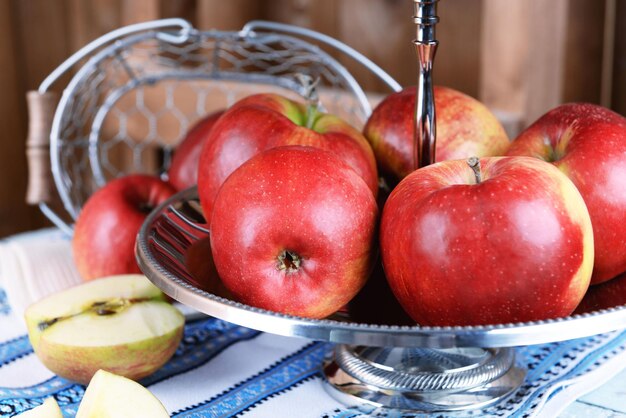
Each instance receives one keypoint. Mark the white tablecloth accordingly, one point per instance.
(221, 369)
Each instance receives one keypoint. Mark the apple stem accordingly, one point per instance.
(289, 261)
(474, 164)
(311, 111)
(309, 86)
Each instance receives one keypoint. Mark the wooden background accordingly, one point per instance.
(520, 57)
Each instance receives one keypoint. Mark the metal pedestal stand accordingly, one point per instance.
(424, 379)
(403, 367)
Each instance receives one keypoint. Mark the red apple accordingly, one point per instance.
(293, 231)
(588, 143)
(376, 304)
(513, 245)
(199, 263)
(465, 128)
(265, 121)
(183, 171)
(105, 231)
(605, 295)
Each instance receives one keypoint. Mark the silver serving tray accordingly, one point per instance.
(176, 224)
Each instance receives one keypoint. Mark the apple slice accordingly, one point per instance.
(48, 409)
(110, 395)
(122, 324)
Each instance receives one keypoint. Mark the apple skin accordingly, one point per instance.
(263, 121)
(605, 295)
(200, 264)
(588, 143)
(80, 363)
(465, 128)
(183, 172)
(300, 200)
(107, 226)
(516, 247)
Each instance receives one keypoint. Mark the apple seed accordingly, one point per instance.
(100, 308)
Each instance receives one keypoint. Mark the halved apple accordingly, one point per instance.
(48, 409)
(109, 395)
(122, 324)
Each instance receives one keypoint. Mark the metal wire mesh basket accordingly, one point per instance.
(138, 89)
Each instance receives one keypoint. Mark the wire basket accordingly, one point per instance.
(137, 90)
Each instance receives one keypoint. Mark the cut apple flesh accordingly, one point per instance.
(48, 409)
(109, 395)
(81, 298)
(135, 322)
(121, 324)
(101, 308)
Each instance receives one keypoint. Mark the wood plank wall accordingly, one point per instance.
(520, 57)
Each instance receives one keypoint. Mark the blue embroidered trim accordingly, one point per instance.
(14, 349)
(313, 376)
(202, 341)
(44, 389)
(198, 350)
(352, 412)
(280, 376)
(592, 359)
(67, 394)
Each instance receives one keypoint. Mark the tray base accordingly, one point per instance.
(422, 380)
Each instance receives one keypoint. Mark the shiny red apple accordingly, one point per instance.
(183, 171)
(465, 128)
(264, 121)
(509, 242)
(588, 143)
(293, 231)
(107, 226)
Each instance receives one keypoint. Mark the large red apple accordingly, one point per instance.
(265, 121)
(588, 143)
(107, 226)
(465, 128)
(183, 172)
(293, 231)
(513, 245)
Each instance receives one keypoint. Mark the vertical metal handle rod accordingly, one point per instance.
(425, 18)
